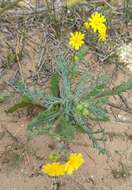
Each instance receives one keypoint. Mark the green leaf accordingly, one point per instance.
(3, 98)
(23, 89)
(46, 116)
(84, 85)
(66, 130)
(55, 79)
(25, 102)
(123, 87)
(89, 87)
(92, 136)
(40, 130)
(98, 86)
(63, 71)
(99, 114)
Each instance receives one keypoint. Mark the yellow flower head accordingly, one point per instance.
(54, 169)
(76, 40)
(96, 20)
(102, 32)
(74, 162)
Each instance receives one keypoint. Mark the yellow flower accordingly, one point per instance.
(54, 169)
(96, 20)
(102, 32)
(74, 162)
(86, 25)
(76, 40)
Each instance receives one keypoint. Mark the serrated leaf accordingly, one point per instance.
(99, 86)
(41, 130)
(123, 87)
(66, 130)
(100, 114)
(84, 84)
(45, 116)
(91, 135)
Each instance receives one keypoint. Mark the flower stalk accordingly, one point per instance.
(55, 183)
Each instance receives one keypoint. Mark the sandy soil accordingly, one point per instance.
(21, 161)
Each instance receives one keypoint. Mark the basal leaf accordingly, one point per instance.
(25, 102)
(55, 84)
